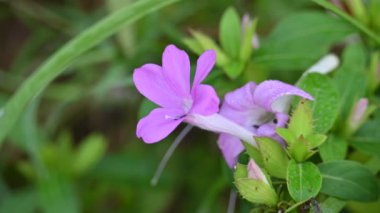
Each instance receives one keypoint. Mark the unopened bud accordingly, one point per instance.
(254, 172)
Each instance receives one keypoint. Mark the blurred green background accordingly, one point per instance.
(75, 149)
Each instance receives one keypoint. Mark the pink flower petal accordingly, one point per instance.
(205, 100)
(150, 82)
(205, 64)
(158, 124)
(270, 95)
(231, 148)
(176, 66)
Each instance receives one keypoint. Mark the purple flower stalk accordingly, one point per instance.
(260, 109)
(169, 87)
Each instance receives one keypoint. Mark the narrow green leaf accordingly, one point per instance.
(348, 180)
(349, 19)
(274, 157)
(60, 60)
(230, 32)
(326, 100)
(304, 180)
(335, 148)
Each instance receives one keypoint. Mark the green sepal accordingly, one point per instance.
(299, 150)
(301, 122)
(287, 135)
(254, 153)
(256, 191)
(274, 156)
(315, 140)
(240, 171)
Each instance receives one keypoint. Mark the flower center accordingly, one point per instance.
(187, 104)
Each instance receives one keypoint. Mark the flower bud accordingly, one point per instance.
(254, 172)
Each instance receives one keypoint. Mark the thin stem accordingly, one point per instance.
(349, 19)
(294, 206)
(232, 202)
(168, 154)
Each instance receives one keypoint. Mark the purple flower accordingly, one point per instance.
(260, 109)
(169, 87)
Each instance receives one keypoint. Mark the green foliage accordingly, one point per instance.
(287, 49)
(304, 180)
(348, 180)
(335, 148)
(367, 137)
(351, 72)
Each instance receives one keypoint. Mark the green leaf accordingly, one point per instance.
(304, 180)
(301, 122)
(326, 100)
(89, 153)
(367, 137)
(348, 180)
(335, 148)
(351, 72)
(289, 45)
(230, 32)
(65, 56)
(207, 43)
(332, 205)
(256, 191)
(274, 157)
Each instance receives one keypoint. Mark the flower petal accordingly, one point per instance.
(231, 147)
(241, 98)
(205, 100)
(176, 66)
(274, 95)
(239, 106)
(150, 82)
(205, 64)
(158, 124)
